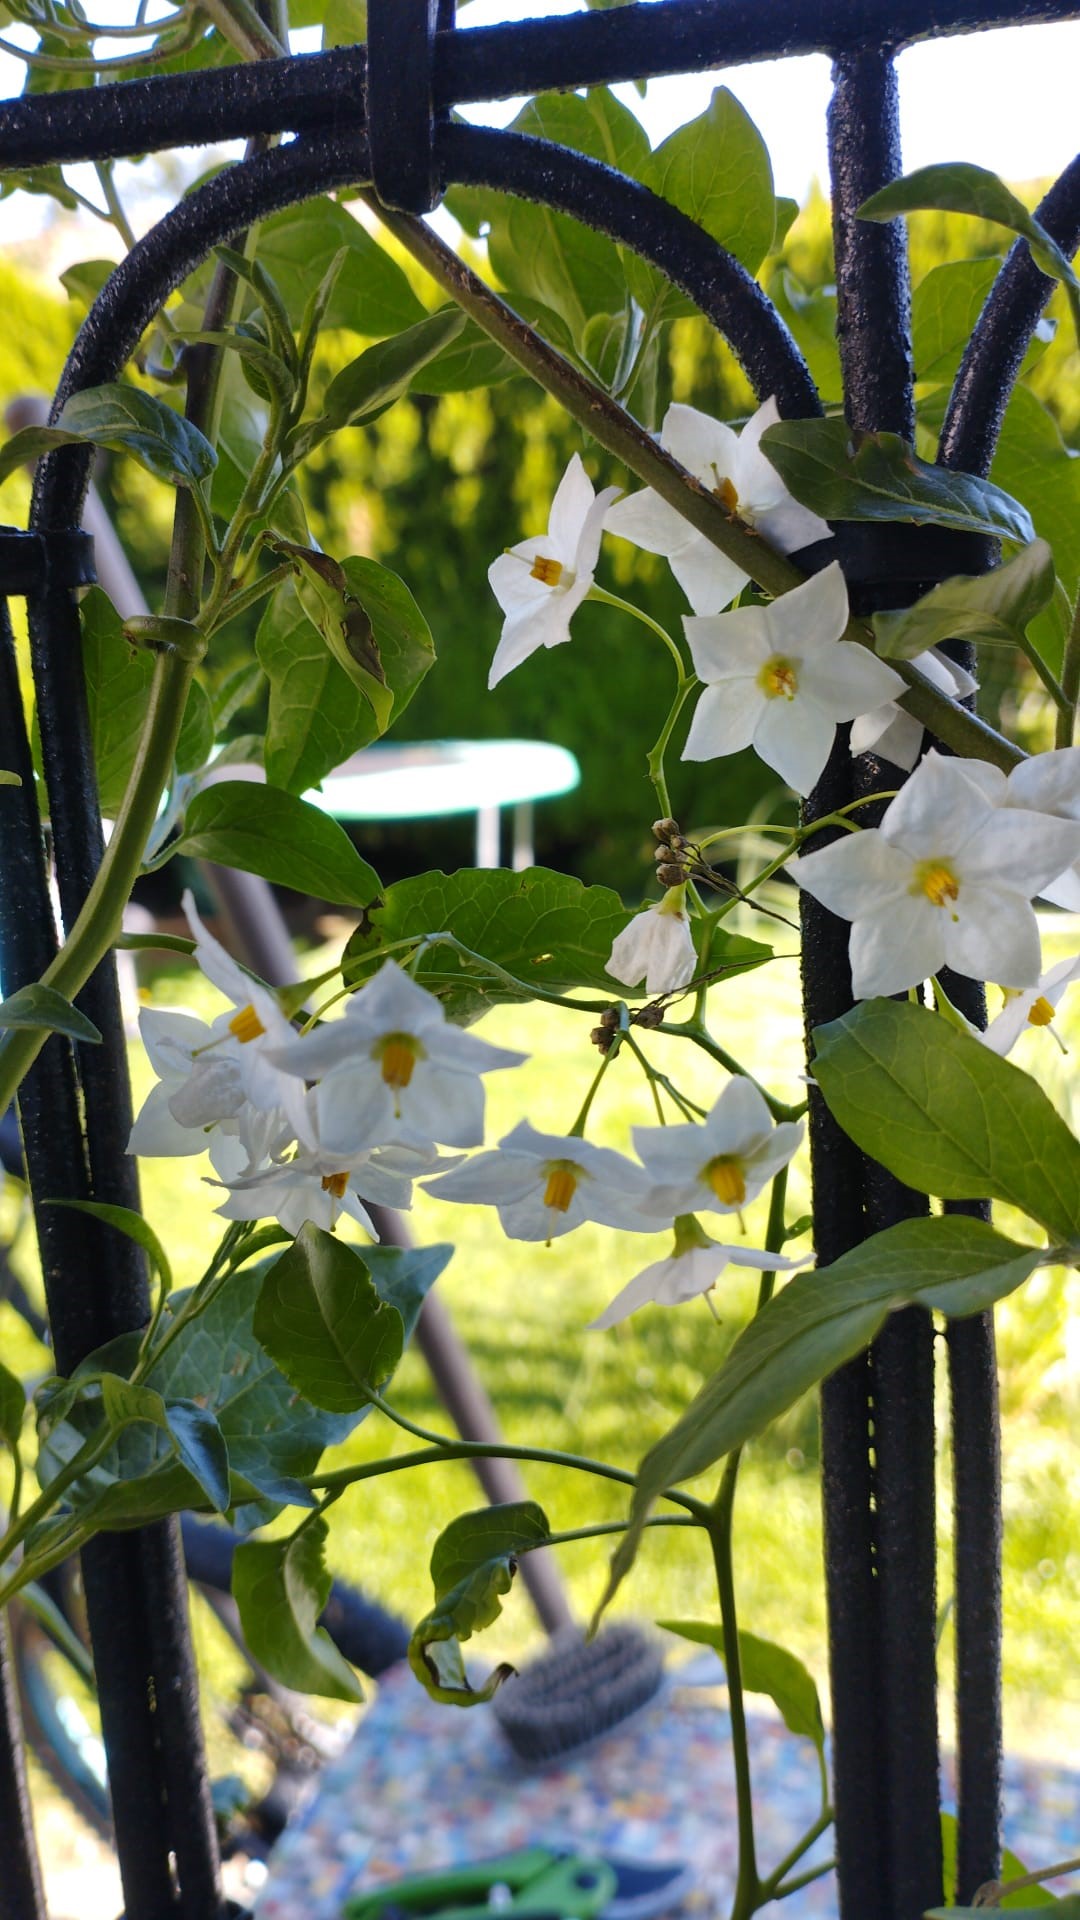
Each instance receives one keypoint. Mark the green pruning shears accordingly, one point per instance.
(535, 1881)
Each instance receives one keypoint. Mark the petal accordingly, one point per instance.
(993, 935)
(668, 1154)
(936, 811)
(811, 617)
(729, 644)
(512, 581)
(890, 733)
(707, 448)
(218, 966)
(724, 720)
(1064, 891)
(1022, 851)
(708, 578)
(452, 1047)
(848, 680)
(487, 1179)
(1047, 783)
(158, 1134)
(547, 625)
(574, 498)
(355, 1110)
(760, 487)
(795, 738)
(892, 951)
(587, 551)
(667, 1283)
(440, 1103)
(648, 521)
(180, 1030)
(740, 1120)
(858, 875)
(392, 1001)
(791, 526)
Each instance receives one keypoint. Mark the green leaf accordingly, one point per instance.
(126, 1404)
(280, 1588)
(946, 1115)
(344, 22)
(957, 187)
(127, 421)
(877, 476)
(12, 1407)
(273, 1438)
(201, 1447)
(991, 607)
(1067, 1908)
(473, 1564)
(404, 1276)
(769, 1669)
(810, 312)
(241, 432)
(286, 840)
(1011, 1869)
(813, 1326)
(717, 170)
(381, 375)
(320, 1317)
(85, 281)
(472, 360)
(944, 309)
(1033, 463)
(371, 294)
(126, 1221)
(40, 1006)
(323, 590)
(543, 927)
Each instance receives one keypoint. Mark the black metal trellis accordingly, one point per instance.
(379, 115)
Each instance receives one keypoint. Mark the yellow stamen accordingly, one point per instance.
(246, 1024)
(561, 1185)
(336, 1184)
(728, 496)
(550, 572)
(778, 679)
(725, 1177)
(399, 1053)
(937, 882)
(1040, 1012)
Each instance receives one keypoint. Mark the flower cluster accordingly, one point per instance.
(309, 1126)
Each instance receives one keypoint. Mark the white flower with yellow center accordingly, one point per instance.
(1046, 783)
(317, 1186)
(657, 946)
(1034, 1007)
(732, 466)
(897, 736)
(946, 881)
(541, 583)
(393, 1070)
(780, 679)
(545, 1184)
(720, 1164)
(691, 1269)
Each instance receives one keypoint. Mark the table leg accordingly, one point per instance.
(524, 854)
(487, 837)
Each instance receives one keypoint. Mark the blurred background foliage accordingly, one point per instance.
(441, 483)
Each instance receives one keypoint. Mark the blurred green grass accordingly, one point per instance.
(524, 1311)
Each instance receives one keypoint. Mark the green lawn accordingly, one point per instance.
(524, 1311)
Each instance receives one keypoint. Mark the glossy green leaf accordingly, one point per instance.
(241, 432)
(12, 1406)
(810, 312)
(118, 678)
(340, 616)
(320, 1317)
(280, 1588)
(1033, 462)
(769, 1669)
(1012, 1868)
(958, 187)
(946, 1115)
(344, 22)
(201, 1446)
(819, 1321)
(990, 607)
(877, 476)
(317, 715)
(381, 375)
(125, 420)
(541, 926)
(85, 280)
(945, 307)
(42, 1007)
(371, 295)
(286, 840)
(404, 1276)
(125, 1404)
(717, 170)
(133, 1225)
(1067, 1908)
(470, 361)
(473, 1564)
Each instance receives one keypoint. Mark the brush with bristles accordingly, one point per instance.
(578, 1690)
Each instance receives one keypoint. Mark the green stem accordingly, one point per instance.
(577, 1131)
(600, 1527)
(238, 603)
(238, 22)
(688, 1108)
(696, 1031)
(654, 759)
(528, 991)
(748, 1889)
(341, 1477)
(770, 1887)
(605, 599)
(804, 1879)
(1070, 682)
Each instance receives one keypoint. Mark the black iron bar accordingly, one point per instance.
(323, 92)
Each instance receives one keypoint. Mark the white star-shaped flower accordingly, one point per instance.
(319, 1186)
(691, 1269)
(733, 467)
(1034, 1007)
(545, 1184)
(394, 1071)
(541, 583)
(897, 736)
(656, 946)
(946, 881)
(720, 1164)
(779, 678)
